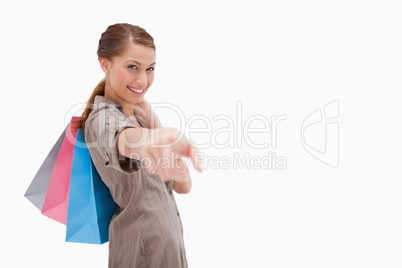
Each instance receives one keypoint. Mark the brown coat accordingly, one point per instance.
(146, 230)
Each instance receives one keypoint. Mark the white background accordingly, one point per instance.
(276, 57)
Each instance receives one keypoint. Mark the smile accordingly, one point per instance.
(135, 90)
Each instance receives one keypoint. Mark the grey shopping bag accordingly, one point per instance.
(36, 191)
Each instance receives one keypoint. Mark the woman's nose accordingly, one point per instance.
(141, 79)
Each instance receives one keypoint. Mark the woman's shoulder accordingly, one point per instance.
(106, 112)
(102, 103)
(105, 108)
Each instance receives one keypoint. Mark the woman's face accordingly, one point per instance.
(129, 75)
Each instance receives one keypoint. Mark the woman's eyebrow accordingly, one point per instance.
(140, 63)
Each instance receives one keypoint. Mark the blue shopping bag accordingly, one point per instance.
(90, 205)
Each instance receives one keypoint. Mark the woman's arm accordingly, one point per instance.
(159, 149)
(182, 184)
(182, 187)
(144, 110)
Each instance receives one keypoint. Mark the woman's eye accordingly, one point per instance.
(151, 69)
(132, 67)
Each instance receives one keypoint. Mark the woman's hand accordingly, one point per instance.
(164, 153)
(182, 182)
(159, 149)
(144, 110)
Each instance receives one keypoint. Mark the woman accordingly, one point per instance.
(138, 159)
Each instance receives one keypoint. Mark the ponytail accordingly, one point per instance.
(99, 90)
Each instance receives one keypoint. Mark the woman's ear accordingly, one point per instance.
(105, 65)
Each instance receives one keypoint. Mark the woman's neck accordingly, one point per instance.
(128, 107)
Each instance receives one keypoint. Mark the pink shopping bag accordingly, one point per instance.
(55, 205)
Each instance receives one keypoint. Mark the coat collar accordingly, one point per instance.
(107, 102)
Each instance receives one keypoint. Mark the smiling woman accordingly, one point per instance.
(115, 42)
(117, 124)
(132, 73)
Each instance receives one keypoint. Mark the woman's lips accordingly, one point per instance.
(136, 90)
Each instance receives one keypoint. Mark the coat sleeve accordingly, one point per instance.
(102, 130)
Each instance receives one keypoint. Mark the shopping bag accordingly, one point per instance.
(36, 191)
(90, 205)
(56, 201)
